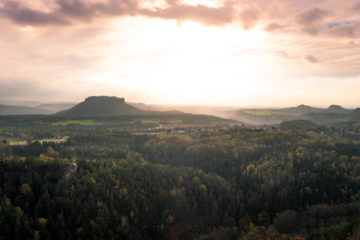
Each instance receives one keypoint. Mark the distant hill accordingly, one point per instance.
(303, 109)
(143, 106)
(337, 109)
(56, 107)
(21, 110)
(332, 114)
(101, 106)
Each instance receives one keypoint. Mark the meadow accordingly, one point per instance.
(80, 122)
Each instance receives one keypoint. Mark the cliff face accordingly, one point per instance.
(104, 99)
(98, 106)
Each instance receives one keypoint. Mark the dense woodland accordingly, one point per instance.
(300, 181)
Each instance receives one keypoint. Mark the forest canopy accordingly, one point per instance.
(290, 183)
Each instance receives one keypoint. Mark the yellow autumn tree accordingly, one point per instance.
(25, 188)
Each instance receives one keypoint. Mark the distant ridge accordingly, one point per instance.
(21, 110)
(330, 115)
(101, 106)
(304, 109)
(143, 106)
(56, 107)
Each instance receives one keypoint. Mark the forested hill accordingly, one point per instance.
(237, 185)
(101, 106)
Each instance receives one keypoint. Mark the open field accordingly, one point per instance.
(157, 121)
(54, 140)
(45, 140)
(80, 122)
(17, 143)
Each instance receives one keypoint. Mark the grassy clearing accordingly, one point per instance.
(17, 143)
(154, 121)
(149, 121)
(182, 135)
(80, 122)
(146, 121)
(165, 134)
(175, 121)
(149, 133)
(54, 140)
(45, 140)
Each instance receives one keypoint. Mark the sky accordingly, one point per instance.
(214, 52)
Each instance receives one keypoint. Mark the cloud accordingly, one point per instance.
(68, 12)
(282, 54)
(311, 59)
(311, 16)
(356, 7)
(351, 43)
(311, 20)
(346, 31)
(247, 13)
(199, 13)
(313, 30)
(249, 17)
(331, 25)
(273, 27)
(84, 11)
(26, 16)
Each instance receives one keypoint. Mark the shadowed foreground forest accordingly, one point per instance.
(238, 184)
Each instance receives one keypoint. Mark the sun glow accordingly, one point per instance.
(184, 61)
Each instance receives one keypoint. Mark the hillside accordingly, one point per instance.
(56, 107)
(21, 110)
(101, 106)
